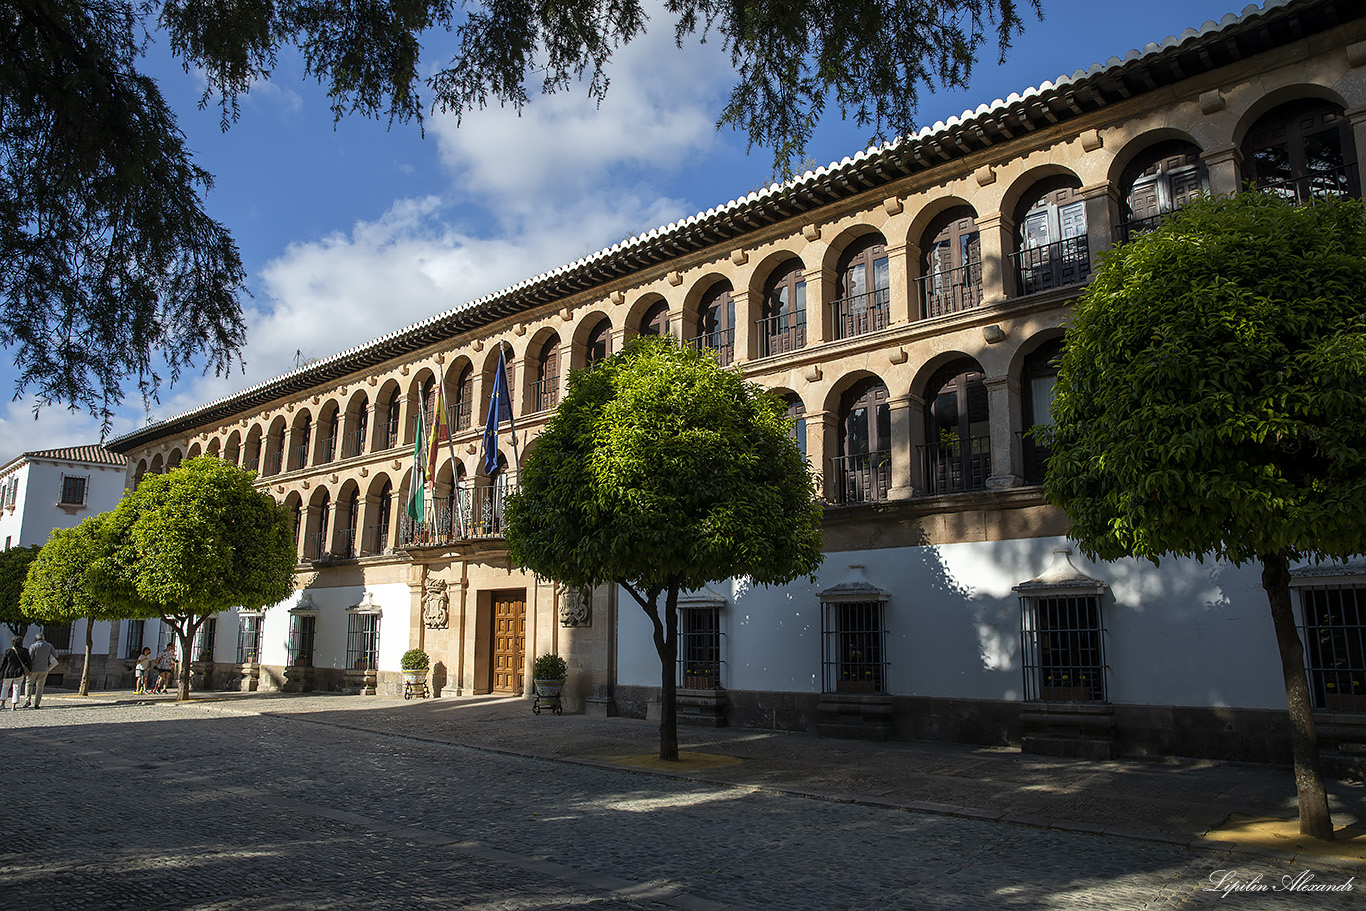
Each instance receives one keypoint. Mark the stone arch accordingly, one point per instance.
(356, 425)
(644, 305)
(419, 387)
(294, 505)
(232, 448)
(301, 438)
(588, 332)
(175, 458)
(194, 450)
(346, 521)
(389, 415)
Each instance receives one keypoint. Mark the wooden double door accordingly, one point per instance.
(509, 642)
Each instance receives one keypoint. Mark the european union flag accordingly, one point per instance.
(500, 410)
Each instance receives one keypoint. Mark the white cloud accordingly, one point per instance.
(56, 427)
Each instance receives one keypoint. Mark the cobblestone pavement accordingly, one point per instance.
(151, 805)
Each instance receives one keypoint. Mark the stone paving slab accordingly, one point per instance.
(1173, 801)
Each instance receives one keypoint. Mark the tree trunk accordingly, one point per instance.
(668, 660)
(89, 650)
(190, 627)
(1315, 820)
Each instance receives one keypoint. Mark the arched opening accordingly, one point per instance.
(303, 437)
(348, 519)
(863, 293)
(327, 434)
(782, 325)
(716, 323)
(174, 460)
(1302, 151)
(950, 263)
(379, 531)
(1051, 243)
(656, 320)
(358, 424)
(599, 342)
(957, 452)
(796, 413)
(863, 468)
(545, 391)
(1161, 179)
(464, 399)
(1037, 378)
(316, 547)
(393, 410)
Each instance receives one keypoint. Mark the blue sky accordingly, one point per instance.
(351, 232)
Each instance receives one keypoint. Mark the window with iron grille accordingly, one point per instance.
(58, 636)
(854, 647)
(73, 490)
(302, 630)
(362, 641)
(134, 644)
(699, 647)
(1335, 646)
(249, 639)
(1064, 654)
(204, 639)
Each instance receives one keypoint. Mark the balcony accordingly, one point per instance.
(353, 444)
(327, 450)
(952, 467)
(862, 478)
(377, 538)
(722, 341)
(273, 462)
(298, 457)
(781, 334)
(476, 513)
(862, 313)
(1342, 182)
(951, 291)
(545, 394)
(1057, 265)
(1036, 456)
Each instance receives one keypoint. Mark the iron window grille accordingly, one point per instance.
(1334, 632)
(73, 490)
(59, 637)
(362, 641)
(249, 639)
(699, 647)
(204, 640)
(303, 630)
(134, 646)
(854, 646)
(1063, 639)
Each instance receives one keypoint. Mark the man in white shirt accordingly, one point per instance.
(42, 658)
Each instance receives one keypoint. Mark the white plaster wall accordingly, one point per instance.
(1184, 633)
(329, 646)
(40, 487)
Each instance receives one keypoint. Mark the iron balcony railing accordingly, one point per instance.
(952, 467)
(1315, 186)
(298, 457)
(722, 341)
(346, 544)
(1057, 265)
(863, 478)
(313, 547)
(377, 539)
(353, 444)
(781, 334)
(391, 440)
(950, 291)
(273, 462)
(862, 313)
(327, 450)
(476, 512)
(545, 393)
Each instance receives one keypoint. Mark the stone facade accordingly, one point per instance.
(907, 302)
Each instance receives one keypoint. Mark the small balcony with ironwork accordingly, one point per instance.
(955, 466)
(474, 513)
(950, 291)
(1059, 264)
(722, 342)
(781, 334)
(862, 477)
(861, 314)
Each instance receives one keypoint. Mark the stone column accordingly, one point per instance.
(903, 307)
(915, 440)
(1004, 401)
(1102, 216)
(746, 344)
(996, 233)
(1357, 118)
(1223, 170)
(822, 446)
(820, 296)
(902, 486)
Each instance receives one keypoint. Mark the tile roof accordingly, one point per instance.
(94, 453)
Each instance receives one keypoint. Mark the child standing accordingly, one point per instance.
(140, 670)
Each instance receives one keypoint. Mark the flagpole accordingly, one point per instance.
(457, 515)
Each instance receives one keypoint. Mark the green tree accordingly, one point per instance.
(61, 586)
(108, 262)
(195, 541)
(661, 472)
(1211, 401)
(14, 565)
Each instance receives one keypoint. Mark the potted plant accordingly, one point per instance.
(548, 673)
(414, 664)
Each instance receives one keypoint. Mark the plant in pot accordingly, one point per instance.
(548, 673)
(414, 664)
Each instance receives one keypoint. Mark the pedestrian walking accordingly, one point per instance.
(165, 667)
(13, 670)
(42, 658)
(142, 669)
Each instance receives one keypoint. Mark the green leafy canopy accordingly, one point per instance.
(14, 564)
(1212, 392)
(198, 540)
(62, 583)
(661, 470)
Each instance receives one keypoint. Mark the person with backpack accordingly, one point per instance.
(14, 667)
